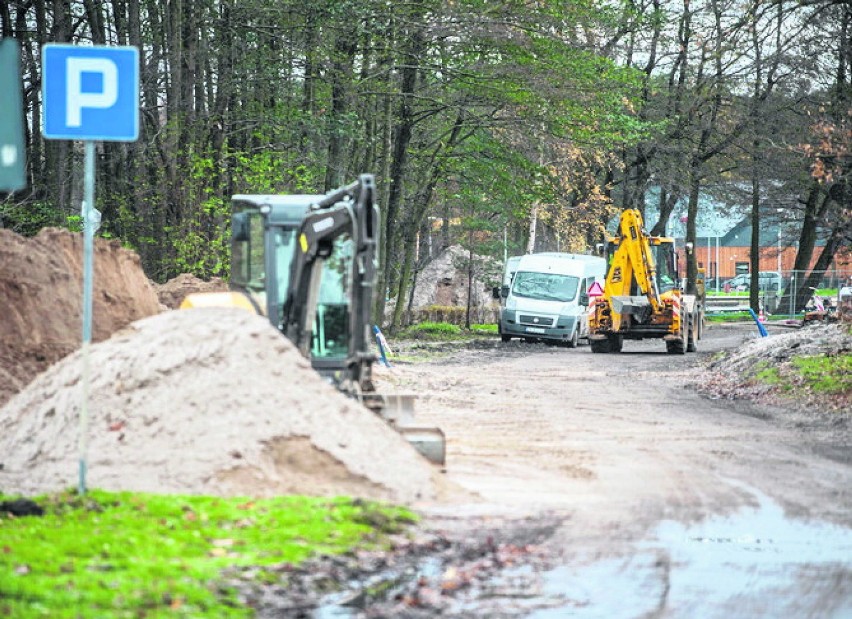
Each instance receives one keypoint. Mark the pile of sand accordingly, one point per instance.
(41, 299)
(210, 401)
(174, 291)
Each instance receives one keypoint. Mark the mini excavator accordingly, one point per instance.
(309, 264)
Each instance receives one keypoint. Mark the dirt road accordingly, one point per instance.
(667, 503)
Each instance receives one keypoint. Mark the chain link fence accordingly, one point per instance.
(780, 292)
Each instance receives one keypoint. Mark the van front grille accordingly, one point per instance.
(538, 321)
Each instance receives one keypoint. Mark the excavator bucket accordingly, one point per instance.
(430, 442)
(398, 411)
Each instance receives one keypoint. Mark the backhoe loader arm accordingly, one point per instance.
(633, 261)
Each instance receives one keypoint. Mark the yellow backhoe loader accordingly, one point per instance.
(643, 296)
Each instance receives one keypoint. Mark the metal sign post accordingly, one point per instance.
(90, 93)
(91, 223)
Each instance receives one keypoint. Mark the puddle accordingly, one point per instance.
(346, 605)
(755, 563)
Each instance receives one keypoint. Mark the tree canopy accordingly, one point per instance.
(501, 113)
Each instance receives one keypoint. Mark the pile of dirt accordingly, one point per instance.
(444, 281)
(174, 291)
(41, 296)
(210, 401)
(736, 373)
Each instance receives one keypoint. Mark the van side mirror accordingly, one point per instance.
(584, 299)
(599, 248)
(495, 292)
(504, 291)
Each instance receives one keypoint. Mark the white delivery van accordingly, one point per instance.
(547, 300)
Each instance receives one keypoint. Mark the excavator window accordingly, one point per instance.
(331, 335)
(285, 246)
(247, 252)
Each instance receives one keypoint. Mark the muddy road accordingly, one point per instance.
(663, 502)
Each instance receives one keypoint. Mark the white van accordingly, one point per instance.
(547, 298)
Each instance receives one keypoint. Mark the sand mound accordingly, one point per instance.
(175, 290)
(209, 401)
(41, 299)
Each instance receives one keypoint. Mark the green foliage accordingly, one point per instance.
(130, 555)
(27, 218)
(202, 241)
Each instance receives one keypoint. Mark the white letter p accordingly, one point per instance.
(76, 99)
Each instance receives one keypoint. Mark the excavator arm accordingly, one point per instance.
(326, 311)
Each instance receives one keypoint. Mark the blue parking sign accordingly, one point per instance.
(90, 93)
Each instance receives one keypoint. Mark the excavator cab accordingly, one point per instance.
(665, 258)
(665, 266)
(294, 258)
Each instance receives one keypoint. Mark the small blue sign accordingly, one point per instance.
(90, 93)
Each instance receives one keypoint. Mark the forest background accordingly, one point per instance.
(491, 118)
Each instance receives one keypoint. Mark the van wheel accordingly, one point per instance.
(575, 337)
(503, 337)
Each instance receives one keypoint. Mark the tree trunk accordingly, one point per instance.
(341, 80)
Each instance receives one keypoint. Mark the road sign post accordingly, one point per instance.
(12, 155)
(90, 94)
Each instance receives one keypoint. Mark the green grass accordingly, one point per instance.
(827, 292)
(823, 292)
(143, 555)
(740, 316)
(769, 376)
(816, 375)
(825, 374)
(432, 330)
(446, 332)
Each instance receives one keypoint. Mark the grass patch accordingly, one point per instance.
(769, 376)
(432, 331)
(827, 375)
(741, 316)
(143, 555)
(827, 292)
(445, 331)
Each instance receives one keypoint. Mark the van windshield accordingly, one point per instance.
(545, 286)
